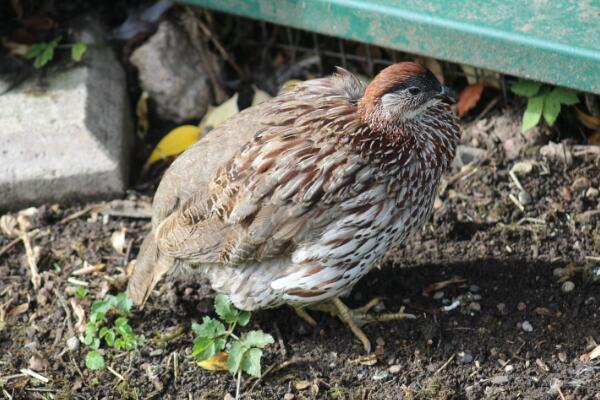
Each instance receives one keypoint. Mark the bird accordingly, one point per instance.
(291, 202)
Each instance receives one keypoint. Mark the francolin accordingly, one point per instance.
(294, 200)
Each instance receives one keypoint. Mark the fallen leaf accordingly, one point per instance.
(79, 313)
(218, 362)
(141, 112)
(174, 143)
(18, 310)
(595, 353)
(369, 359)
(260, 96)
(301, 385)
(217, 115)
(117, 240)
(469, 97)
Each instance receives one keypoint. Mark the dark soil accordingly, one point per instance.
(508, 330)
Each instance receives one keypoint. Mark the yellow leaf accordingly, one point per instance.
(218, 362)
(489, 78)
(141, 111)
(289, 85)
(175, 142)
(216, 116)
(260, 96)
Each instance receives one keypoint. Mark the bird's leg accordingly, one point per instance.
(358, 317)
(302, 313)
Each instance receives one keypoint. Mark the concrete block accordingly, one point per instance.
(69, 141)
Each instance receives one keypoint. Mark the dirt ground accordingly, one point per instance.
(507, 303)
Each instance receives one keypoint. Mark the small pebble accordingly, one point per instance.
(565, 193)
(526, 326)
(524, 198)
(509, 368)
(581, 183)
(438, 295)
(521, 306)
(381, 375)
(474, 288)
(394, 369)
(567, 286)
(542, 311)
(499, 379)
(475, 306)
(501, 307)
(288, 396)
(465, 357)
(73, 343)
(562, 356)
(559, 272)
(592, 193)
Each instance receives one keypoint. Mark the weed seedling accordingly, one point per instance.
(43, 52)
(242, 353)
(542, 100)
(118, 334)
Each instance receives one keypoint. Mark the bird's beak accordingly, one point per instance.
(447, 94)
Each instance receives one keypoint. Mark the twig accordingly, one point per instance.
(282, 348)
(6, 394)
(516, 202)
(514, 178)
(77, 214)
(9, 246)
(220, 48)
(274, 368)
(238, 385)
(560, 393)
(31, 260)
(67, 311)
(77, 282)
(34, 375)
(440, 369)
(115, 373)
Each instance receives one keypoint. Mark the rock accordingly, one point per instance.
(499, 379)
(394, 369)
(580, 183)
(592, 193)
(465, 357)
(524, 197)
(288, 396)
(381, 375)
(526, 326)
(466, 155)
(173, 73)
(73, 343)
(567, 286)
(509, 368)
(70, 141)
(438, 295)
(523, 168)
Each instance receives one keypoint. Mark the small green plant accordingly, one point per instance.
(118, 335)
(243, 353)
(81, 292)
(43, 52)
(543, 100)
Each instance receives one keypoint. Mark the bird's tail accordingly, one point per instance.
(149, 268)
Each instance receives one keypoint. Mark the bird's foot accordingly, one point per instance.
(355, 318)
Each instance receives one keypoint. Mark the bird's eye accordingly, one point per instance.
(414, 90)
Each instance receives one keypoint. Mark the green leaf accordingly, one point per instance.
(123, 303)
(209, 328)
(251, 362)
(80, 292)
(225, 309)
(244, 318)
(35, 50)
(94, 360)
(526, 88)
(77, 51)
(565, 96)
(257, 339)
(533, 112)
(99, 309)
(234, 357)
(109, 338)
(204, 348)
(551, 108)
(44, 57)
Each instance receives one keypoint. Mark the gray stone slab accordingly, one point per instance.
(69, 142)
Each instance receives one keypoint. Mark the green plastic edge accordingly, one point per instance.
(562, 47)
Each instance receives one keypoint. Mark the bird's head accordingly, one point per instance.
(401, 93)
